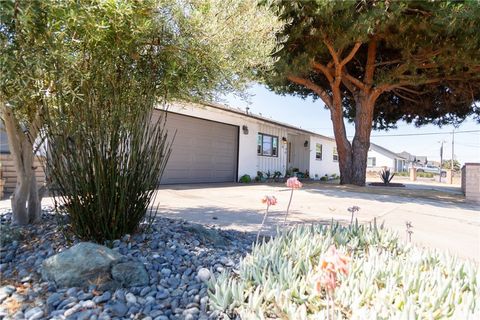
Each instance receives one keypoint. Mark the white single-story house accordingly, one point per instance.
(216, 143)
(380, 158)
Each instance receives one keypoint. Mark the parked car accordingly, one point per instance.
(432, 169)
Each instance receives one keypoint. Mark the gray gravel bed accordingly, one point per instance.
(172, 251)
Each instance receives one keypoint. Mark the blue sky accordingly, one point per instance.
(312, 116)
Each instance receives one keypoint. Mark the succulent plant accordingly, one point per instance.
(387, 279)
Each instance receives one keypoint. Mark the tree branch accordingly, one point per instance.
(315, 88)
(370, 66)
(351, 54)
(359, 84)
(324, 69)
(404, 97)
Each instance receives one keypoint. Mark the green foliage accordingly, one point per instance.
(426, 65)
(386, 176)
(324, 178)
(447, 164)
(387, 280)
(425, 174)
(245, 179)
(277, 174)
(106, 172)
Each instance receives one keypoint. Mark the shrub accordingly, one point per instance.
(387, 280)
(324, 178)
(105, 169)
(425, 174)
(245, 179)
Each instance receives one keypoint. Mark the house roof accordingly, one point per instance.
(261, 118)
(386, 152)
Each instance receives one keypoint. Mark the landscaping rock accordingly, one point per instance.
(207, 235)
(158, 268)
(8, 234)
(203, 274)
(130, 274)
(81, 265)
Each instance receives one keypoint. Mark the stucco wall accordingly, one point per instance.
(326, 166)
(381, 161)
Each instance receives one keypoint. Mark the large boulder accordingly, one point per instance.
(130, 274)
(83, 264)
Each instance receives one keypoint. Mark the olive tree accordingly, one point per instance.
(190, 49)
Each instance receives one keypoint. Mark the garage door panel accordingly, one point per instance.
(203, 151)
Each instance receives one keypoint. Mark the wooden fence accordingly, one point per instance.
(9, 175)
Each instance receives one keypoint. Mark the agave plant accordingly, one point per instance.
(386, 176)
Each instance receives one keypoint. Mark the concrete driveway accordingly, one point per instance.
(440, 220)
(440, 217)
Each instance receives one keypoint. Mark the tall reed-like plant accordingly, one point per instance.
(105, 165)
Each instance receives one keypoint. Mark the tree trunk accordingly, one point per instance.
(21, 147)
(361, 140)
(344, 148)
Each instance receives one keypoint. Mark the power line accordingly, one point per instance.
(422, 134)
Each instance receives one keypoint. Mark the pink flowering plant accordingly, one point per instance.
(293, 183)
(269, 201)
(332, 264)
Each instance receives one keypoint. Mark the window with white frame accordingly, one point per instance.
(318, 151)
(267, 145)
(335, 154)
(371, 162)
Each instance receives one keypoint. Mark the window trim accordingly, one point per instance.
(321, 151)
(374, 162)
(260, 154)
(335, 154)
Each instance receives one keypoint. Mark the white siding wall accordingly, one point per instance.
(326, 165)
(381, 161)
(271, 164)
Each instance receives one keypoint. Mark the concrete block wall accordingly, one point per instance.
(471, 181)
(9, 174)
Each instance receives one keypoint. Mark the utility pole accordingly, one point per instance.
(453, 147)
(441, 160)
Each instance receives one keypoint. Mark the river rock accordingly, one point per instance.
(130, 274)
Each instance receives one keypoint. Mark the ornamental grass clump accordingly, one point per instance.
(354, 272)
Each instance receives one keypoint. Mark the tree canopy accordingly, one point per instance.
(377, 62)
(427, 66)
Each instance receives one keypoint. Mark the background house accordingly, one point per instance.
(380, 158)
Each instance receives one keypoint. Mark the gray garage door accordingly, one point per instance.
(203, 151)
